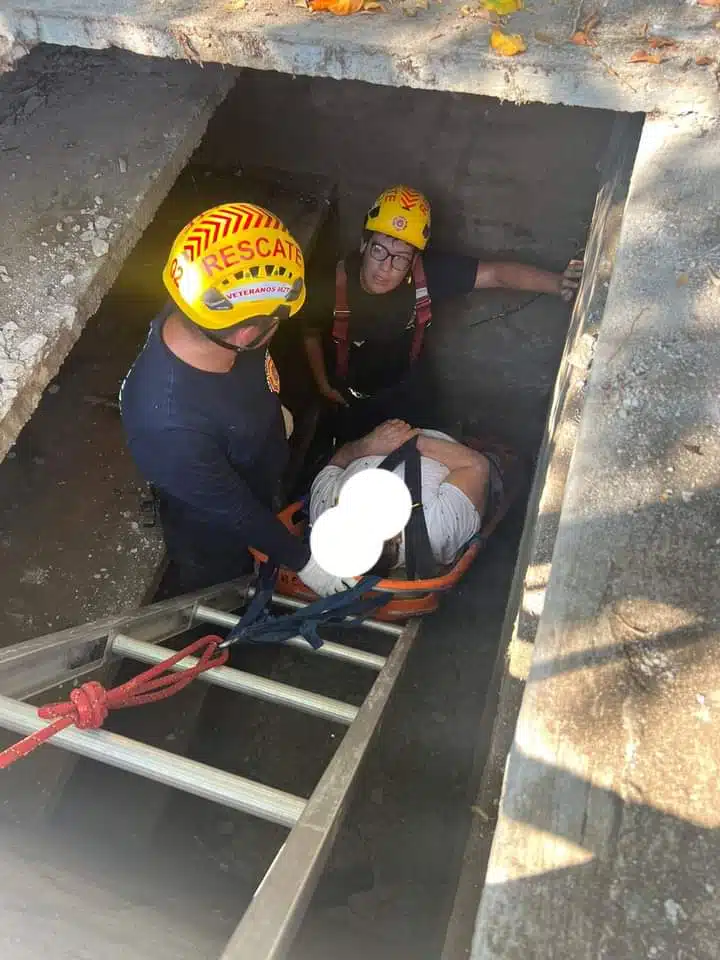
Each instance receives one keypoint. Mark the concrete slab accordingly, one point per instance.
(527, 593)
(609, 819)
(435, 47)
(90, 146)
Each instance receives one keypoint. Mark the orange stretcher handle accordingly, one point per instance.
(431, 585)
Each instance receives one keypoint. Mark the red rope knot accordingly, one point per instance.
(87, 710)
(90, 703)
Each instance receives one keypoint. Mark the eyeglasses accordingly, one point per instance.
(398, 261)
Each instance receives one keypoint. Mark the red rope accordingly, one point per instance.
(90, 703)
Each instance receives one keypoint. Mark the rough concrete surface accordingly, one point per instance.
(412, 44)
(609, 818)
(493, 171)
(89, 145)
(527, 593)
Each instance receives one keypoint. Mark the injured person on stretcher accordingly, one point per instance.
(457, 485)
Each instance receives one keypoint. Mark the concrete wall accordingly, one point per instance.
(527, 594)
(607, 839)
(503, 180)
(500, 177)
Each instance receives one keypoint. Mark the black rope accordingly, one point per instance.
(506, 313)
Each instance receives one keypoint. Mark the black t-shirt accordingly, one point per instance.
(381, 326)
(214, 443)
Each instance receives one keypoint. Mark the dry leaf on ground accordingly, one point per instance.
(236, 5)
(410, 8)
(340, 8)
(469, 11)
(709, 3)
(503, 8)
(584, 36)
(704, 61)
(643, 56)
(660, 43)
(507, 44)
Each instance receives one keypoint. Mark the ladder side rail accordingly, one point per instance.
(32, 667)
(271, 922)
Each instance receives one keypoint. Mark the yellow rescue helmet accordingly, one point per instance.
(232, 263)
(403, 213)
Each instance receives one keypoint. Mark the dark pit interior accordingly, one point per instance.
(504, 181)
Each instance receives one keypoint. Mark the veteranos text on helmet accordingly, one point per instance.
(235, 262)
(403, 213)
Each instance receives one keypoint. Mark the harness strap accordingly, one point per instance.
(419, 560)
(257, 625)
(423, 309)
(341, 322)
(341, 316)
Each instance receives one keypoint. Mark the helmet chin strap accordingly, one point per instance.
(222, 343)
(278, 314)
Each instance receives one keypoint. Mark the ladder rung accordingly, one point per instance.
(242, 682)
(174, 771)
(337, 651)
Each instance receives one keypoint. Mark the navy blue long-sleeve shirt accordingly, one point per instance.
(214, 442)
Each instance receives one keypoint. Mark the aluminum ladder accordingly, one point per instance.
(71, 656)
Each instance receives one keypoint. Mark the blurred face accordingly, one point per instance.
(252, 334)
(385, 263)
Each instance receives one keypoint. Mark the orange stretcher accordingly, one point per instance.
(415, 598)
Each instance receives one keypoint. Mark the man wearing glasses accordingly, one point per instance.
(366, 363)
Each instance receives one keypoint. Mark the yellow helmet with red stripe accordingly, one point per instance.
(232, 263)
(403, 213)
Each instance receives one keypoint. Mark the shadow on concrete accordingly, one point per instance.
(650, 877)
(654, 595)
(610, 806)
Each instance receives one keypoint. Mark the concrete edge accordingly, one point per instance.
(607, 828)
(558, 74)
(44, 365)
(512, 666)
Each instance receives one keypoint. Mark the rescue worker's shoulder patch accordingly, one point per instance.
(271, 374)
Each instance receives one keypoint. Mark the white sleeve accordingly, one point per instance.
(451, 520)
(325, 490)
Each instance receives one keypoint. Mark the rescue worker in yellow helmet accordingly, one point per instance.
(365, 334)
(200, 405)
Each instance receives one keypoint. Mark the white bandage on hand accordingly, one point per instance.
(321, 582)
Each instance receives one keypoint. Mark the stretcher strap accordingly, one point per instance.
(419, 560)
(258, 625)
